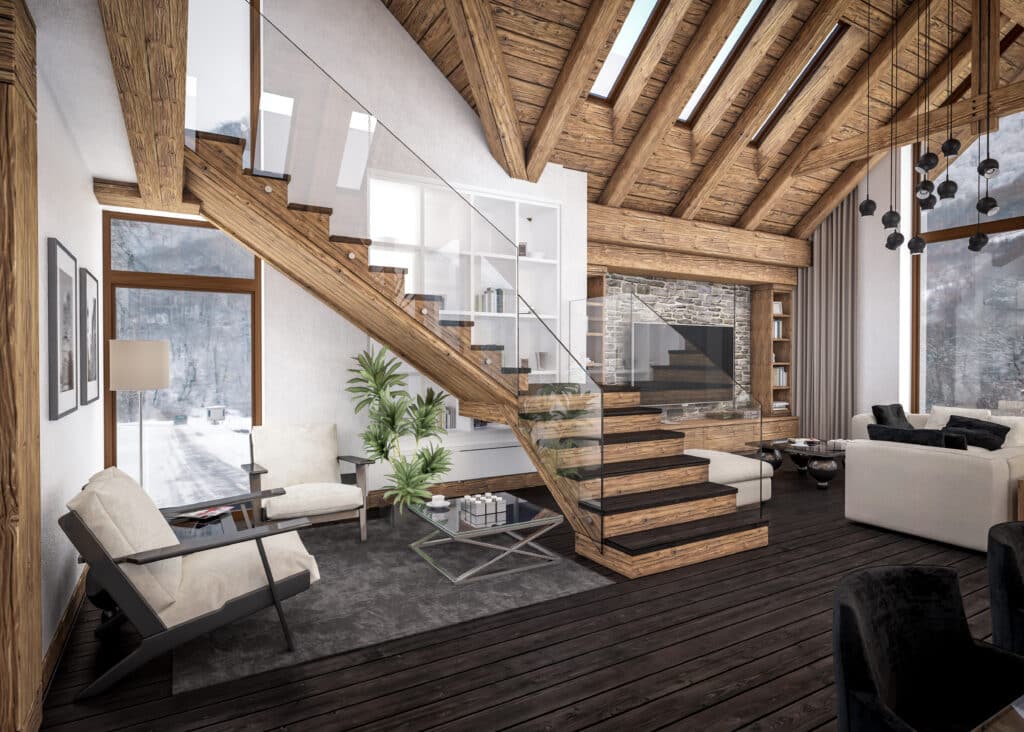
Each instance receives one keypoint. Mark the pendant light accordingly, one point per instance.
(979, 238)
(916, 245)
(928, 160)
(951, 147)
(989, 167)
(891, 218)
(868, 206)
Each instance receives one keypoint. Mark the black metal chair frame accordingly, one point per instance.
(106, 572)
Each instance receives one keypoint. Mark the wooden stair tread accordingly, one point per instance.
(456, 323)
(631, 467)
(339, 239)
(615, 438)
(630, 411)
(424, 298)
(486, 347)
(388, 270)
(653, 499)
(217, 137)
(666, 537)
(309, 208)
(268, 175)
(515, 370)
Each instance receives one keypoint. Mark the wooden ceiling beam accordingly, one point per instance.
(812, 33)
(642, 229)
(571, 85)
(128, 195)
(665, 27)
(655, 263)
(701, 51)
(747, 60)
(1013, 9)
(838, 113)
(480, 50)
(147, 41)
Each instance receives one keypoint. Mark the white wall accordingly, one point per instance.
(71, 449)
(882, 341)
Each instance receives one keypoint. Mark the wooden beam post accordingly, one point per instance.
(147, 41)
(570, 86)
(21, 651)
(480, 49)
(814, 30)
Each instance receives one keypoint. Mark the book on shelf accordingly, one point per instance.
(778, 406)
(781, 375)
(495, 300)
(776, 329)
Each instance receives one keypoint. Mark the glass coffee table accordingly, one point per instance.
(819, 461)
(522, 522)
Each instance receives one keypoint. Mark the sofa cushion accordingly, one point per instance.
(728, 468)
(978, 432)
(938, 417)
(213, 577)
(294, 454)
(891, 415)
(928, 438)
(1015, 438)
(313, 499)
(125, 520)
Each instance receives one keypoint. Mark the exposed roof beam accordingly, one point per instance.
(1013, 9)
(719, 21)
(127, 195)
(477, 41)
(736, 75)
(666, 25)
(839, 190)
(814, 30)
(816, 88)
(1004, 100)
(571, 84)
(838, 113)
(147, 41)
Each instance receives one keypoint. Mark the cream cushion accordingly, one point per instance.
(1015, 438)
(313, 499)
(939, 416)
(213, 577)
(296, 454)
(125, 520)
(752, 478)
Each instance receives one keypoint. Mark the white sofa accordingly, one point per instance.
(752, 478)
(952, 496)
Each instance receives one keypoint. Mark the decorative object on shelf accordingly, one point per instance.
(61, 277)
(522, 249)
(867, 206)
(139, 366)
(378, 387)
(777, 308)
(89, 335)
(540, 360)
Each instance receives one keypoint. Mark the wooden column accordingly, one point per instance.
(21, 652)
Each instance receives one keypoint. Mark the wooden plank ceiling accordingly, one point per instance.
(639, 156)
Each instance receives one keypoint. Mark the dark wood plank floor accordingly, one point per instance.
(742, 642)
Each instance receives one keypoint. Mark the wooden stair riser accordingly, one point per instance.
(460, 336)
(392, 284)
(427, 312)
(688, 396)
(614, 399)
(674, 557)
(574, 457)
(677, 513)
(651, 480)
(491, 361)
(588, 426)
(689, 358)
(560, 402)
(356, 251)
(319, 221)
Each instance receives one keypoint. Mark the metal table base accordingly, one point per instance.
(523, 546)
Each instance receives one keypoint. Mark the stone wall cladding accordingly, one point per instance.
(683, 302)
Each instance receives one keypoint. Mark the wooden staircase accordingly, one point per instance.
(636, 503)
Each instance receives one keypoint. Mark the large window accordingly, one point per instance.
(970, 327)
(187, 283)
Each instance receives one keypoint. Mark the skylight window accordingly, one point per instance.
(357, 150)
(805, 73)
(721, 59)
(275, 131)
(632, 28)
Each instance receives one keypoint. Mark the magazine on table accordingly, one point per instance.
(206, 514)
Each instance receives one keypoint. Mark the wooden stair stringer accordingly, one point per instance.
(232, 202)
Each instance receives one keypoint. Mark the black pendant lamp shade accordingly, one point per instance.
(929, 203)
(924, 189)
(951, 147)
(928, 161)
(988, 206)
(988, 168)
(916, 245)
(890, 219)
(868, 207)
(947, 189)
(893, 241)
(978, 241)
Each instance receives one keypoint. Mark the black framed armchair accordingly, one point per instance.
(1006, 585)
(172, 591)
(304, 460)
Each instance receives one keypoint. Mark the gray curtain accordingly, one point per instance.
(824, 356)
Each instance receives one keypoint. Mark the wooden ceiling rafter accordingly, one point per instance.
(482, 58)
(570, 88)
(812, 33)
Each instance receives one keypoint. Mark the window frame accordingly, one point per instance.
(113, 279)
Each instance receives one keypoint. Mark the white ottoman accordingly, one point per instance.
(750, 476)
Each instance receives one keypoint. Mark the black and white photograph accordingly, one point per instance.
(62, 275)
(89, 336)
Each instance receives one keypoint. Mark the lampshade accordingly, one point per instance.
(139, 365)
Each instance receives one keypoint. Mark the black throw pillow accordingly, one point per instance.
(929, 438)
(978, 432)
(891, 415)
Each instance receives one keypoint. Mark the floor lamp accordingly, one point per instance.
(139, 366)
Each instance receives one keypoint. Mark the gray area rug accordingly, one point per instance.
(368, 593)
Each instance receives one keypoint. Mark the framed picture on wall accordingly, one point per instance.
(89, 336)
(62, 276)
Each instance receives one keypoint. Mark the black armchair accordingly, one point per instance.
(904, 655)
(1006, 585)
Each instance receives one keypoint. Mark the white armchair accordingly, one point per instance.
(304, 460)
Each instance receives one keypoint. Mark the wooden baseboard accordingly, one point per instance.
(61, 636)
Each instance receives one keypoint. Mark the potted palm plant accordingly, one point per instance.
(380, 389)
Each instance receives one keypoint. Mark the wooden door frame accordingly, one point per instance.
(114, 279)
